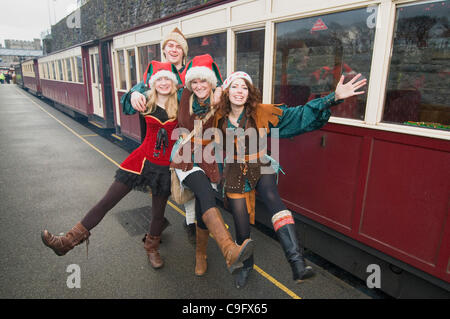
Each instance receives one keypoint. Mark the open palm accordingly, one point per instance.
(348, 89)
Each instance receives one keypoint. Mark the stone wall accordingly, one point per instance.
(100, 18)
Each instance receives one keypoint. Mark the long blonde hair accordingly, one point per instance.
(171, 106)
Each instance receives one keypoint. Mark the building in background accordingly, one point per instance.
(16, 51)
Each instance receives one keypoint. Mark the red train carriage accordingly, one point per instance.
(372, 186)
(30, 76)
(73, 79)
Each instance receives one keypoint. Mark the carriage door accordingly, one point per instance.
(96, 86)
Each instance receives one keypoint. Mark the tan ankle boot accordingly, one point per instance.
(202, 236)
(63, 244)
(233, 253)
(151, 245)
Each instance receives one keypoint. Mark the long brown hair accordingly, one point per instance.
(171, 106)
(253, 99)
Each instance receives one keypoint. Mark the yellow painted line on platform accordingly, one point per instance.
(96, 124)
(276, 282)
(88, 135)
(258, 269)
(116, 136)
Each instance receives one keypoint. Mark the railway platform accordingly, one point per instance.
(53, 170)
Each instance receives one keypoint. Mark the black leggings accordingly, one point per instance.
(200, 185)
(268, 191)
(115, 193)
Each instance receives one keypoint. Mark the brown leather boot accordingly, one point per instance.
(62, 244)
(202, 236)
(151, 245)
(233, 253)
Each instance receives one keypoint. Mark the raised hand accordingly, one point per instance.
(138, 101)
(348, 89)
(217, 95)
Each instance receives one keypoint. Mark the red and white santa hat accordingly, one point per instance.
(236, 75)
(157, 70)
(202, 67)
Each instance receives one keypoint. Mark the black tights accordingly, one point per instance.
(115, 193)
(268, 191)
(205, 199)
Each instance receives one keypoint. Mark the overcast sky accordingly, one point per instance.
(26, 19)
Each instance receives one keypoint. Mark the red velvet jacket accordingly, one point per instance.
(147, 151)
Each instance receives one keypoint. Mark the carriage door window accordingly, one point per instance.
(250, 55)
(97, 100)
(132, 64)
(419, 76)
(214, 45)
(121, 67)
(312, 53)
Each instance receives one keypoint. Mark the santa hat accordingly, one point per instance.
(236, 75)
(177, 36)
(156, 70)
(202, 67)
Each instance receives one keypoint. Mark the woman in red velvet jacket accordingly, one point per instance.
(145, 169)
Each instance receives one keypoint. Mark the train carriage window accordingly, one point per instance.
(79, 63)
(60, 70)
(97, 67)
(312, 53)
(214, 45)
(146, 55)
(419, 75)
(53, 70)
(73, 67)
(132, 64)
(69, 69)
(250, 55)
(121, 67)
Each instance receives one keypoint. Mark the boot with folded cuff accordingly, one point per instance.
(284, 226)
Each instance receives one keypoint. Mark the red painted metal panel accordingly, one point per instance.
(30, 83)
(87, 79)
(36, 71)
(69, 94)
(321, 181)
(130, 125)
(407, 199)
(390, 191)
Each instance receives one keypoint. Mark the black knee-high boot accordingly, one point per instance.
(284, 226)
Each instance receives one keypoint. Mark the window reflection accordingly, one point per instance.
(146, 55)
(69, 69)
(312, 53)
(121, 60)
(419, 75)
(250, 55)
(79, 68)
(132, 64)
(214, 45)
